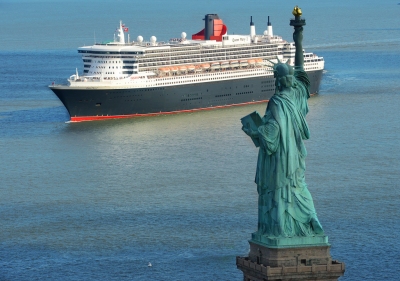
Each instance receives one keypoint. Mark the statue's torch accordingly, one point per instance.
(298, 24)
(297, 21)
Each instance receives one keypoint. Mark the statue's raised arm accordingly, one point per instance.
(298, 23)
(298, 42)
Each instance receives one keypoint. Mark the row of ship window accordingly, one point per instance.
(189, 59)
(218, 51)
(186, 81)
(123, 72)
(204, 78)
(225, 95)
(244, 93)
(218, 96)
(177, 59)
(105, 61)
(111, 67)
(113, 53)
(191, 99)
(192, 58)
(110, 57)
(201, 76)
(187, 99)
(268, 48)
(221, 53)
(194, 61)
(267, 86)
(231, 49)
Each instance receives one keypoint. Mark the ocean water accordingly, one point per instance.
(100, 200)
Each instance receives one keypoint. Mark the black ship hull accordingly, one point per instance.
(84, 104)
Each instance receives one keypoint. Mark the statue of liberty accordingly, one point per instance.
(285, 206)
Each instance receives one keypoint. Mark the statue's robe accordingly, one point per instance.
(286, 207)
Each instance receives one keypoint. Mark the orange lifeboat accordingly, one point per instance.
(174, 68)
(259, 62)
(252, 62)
(191, 67)
(205, 66)
(182, 68)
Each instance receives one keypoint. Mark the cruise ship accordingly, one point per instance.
(213, 69)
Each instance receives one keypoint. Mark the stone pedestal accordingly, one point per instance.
(289, 263)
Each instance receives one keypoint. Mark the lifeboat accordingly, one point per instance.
(252, 62)
(205, 66)
(191, 67)
(259, 62)
(234, 63)
(174, 69)
(244, 63)
(164, 69)
(198, 67)
(225, 64)
(182, 68)
(215, 65)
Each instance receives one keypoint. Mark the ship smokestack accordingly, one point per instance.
(269, 28)
(209, 25)
(252, 29)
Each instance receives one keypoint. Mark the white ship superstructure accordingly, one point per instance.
(142, 64)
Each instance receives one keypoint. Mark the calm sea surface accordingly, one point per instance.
(100, 200)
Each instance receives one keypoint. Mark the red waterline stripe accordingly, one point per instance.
(94, 118)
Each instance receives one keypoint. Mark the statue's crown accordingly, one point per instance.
(282, 69)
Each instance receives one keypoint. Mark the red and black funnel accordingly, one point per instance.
(214, 29)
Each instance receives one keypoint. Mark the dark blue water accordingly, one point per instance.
(99, 200)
